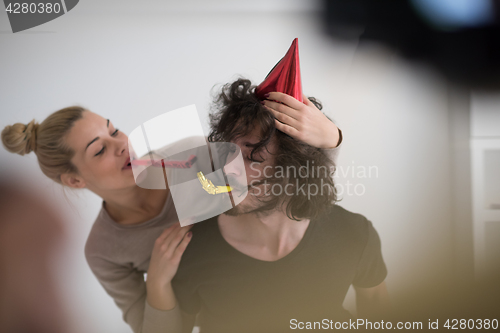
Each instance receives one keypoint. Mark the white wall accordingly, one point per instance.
(141, 59)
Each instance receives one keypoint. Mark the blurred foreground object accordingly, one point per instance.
(460, 38)
(30, 235)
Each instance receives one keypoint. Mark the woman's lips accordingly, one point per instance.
(127, 164)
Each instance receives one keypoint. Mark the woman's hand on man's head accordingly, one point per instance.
(302, 121)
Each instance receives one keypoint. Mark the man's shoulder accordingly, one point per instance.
(204, 231)
(340, 213)
(204, 247)
(339, 219)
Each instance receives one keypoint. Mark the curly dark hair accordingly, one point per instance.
(235, 112)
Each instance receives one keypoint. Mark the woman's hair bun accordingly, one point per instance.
(20, 138)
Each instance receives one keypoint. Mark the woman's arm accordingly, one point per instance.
(165, 259)
(147, 307)
(128, 289)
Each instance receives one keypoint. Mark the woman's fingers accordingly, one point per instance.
(286, 99)
(302, 121)
(182, 247)
(282, 109)
(307, 101)
(284, 118)
(176, 240)
(287, 129)
(161, 239)
(170, 237)
(170, 232)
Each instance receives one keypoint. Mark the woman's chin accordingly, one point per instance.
(128, 174)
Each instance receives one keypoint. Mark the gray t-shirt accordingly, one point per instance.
(119, 255)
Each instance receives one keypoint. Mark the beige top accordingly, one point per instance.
(119, 255)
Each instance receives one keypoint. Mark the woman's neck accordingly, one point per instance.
(134, 205)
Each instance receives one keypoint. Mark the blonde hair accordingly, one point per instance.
(46, 140)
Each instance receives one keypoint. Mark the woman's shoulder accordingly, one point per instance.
(99, 238)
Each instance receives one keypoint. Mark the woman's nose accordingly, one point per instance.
(122, 147)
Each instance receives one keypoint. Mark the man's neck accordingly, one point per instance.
(266, 237)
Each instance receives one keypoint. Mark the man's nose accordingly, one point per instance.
(233, 168)
(234, 165)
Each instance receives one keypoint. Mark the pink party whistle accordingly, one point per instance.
(167, 164)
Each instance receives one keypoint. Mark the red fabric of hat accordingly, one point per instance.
(285, 76)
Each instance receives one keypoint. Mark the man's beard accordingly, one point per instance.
(255, 206)
(239, 210)
(253, 203)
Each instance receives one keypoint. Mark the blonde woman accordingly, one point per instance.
(137, 230)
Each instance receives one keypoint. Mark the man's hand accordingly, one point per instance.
(302, 121)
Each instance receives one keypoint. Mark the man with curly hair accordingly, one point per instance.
(284, 257)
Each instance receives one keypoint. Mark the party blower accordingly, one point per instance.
(209, 187)
(170, 152)
(167, 164)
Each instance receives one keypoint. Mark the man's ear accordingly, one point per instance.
(72, 180)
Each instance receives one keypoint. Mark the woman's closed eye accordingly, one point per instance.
(100, 151)
(115, 133)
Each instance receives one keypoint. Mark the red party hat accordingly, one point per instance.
(285, 76)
